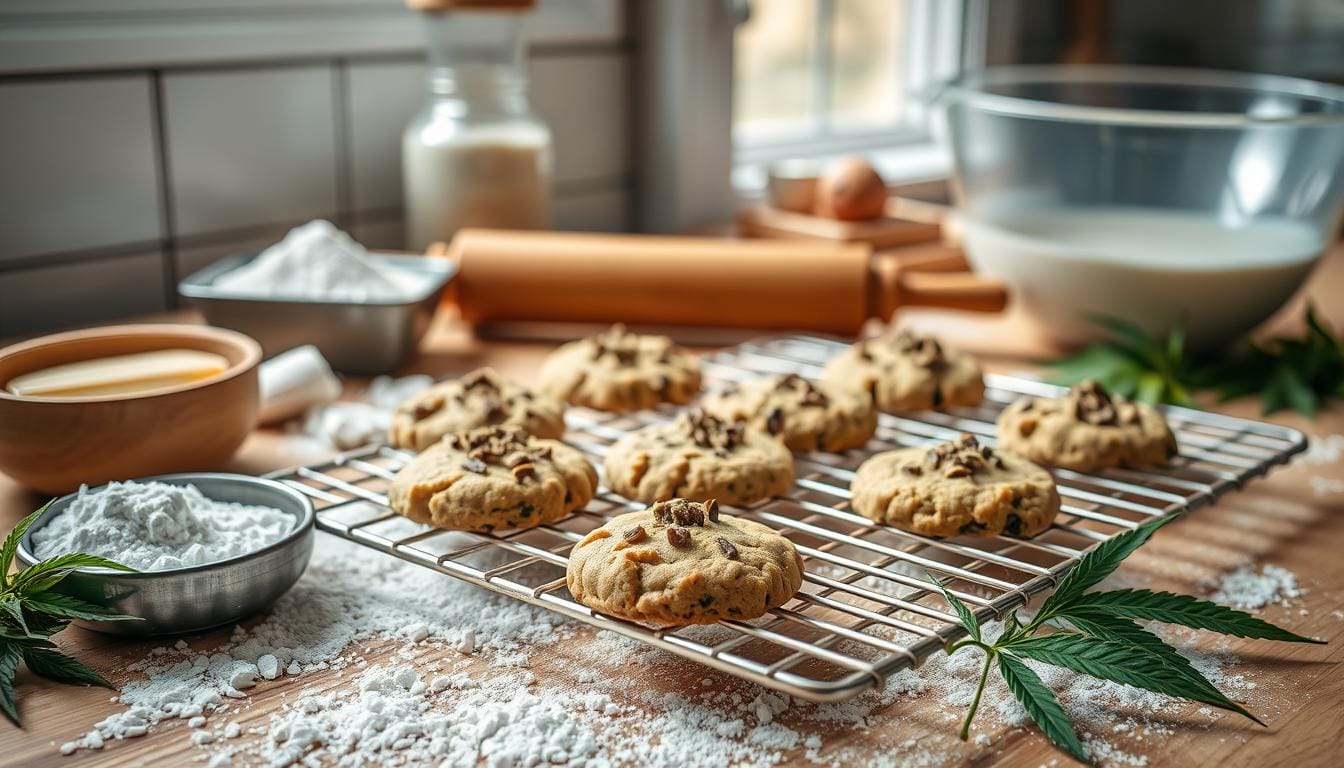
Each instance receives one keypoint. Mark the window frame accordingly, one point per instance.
(935, 48)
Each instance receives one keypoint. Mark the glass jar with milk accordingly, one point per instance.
(476, 155)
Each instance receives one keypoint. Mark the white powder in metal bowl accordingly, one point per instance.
(158, 526)
(319, 261)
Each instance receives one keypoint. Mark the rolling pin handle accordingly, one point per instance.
(893, 285)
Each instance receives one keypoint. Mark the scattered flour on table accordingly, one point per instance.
(1247, 590)
(350, 424)
(459, 691)
(1326, 449)
(319, 261)
(158, 526)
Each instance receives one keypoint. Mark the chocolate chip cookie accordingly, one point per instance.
(621, 371)
(806, 416)
(956, 488)
(492, 478)
(699, 456)
(905, 372)
(477, 399)
(680, 562)
(1087, 429)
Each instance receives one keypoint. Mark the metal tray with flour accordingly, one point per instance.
(356, 337)
(865, 610)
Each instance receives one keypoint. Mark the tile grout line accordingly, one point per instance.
(341, 127)
(167, 212)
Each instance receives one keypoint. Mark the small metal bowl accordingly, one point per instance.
(200, 597)
(363, 337)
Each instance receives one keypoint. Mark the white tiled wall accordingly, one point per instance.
(113, 186)
(39, 298)
(77, 166)
(250, 148)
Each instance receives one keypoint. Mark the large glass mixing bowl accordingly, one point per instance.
(1155, 195)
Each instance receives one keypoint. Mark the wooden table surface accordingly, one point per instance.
(1285, 520)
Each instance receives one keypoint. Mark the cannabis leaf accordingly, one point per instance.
(1133, 363)
(30, 613)
(1040, 704)
(1105, 641)
(1300, 373)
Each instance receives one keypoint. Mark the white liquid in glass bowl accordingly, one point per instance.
(1151, 266)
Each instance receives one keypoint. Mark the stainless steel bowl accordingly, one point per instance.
(356, 337)
(202, 596)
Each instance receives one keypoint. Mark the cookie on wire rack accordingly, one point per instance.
(621, 371)
(908, 372)
(699, 456)
(681, 562)
(1086, 430)
(806, 416)
(954, 489)
(477, 399)
(493, 478)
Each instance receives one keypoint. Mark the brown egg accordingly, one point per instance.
(851, 190)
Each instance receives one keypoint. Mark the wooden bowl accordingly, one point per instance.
(55, 444)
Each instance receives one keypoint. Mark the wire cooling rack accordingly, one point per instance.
(865, 610)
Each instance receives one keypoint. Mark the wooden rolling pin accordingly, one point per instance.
(771, 284)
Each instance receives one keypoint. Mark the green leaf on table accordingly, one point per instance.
(967, 617)
(1041, 705)
(54, 665)
(1185, 610)
(11, 545)
(1097, 565)
(1120, 663)
(48, 573)
(12, 607)
(67, 607)
(9, 668)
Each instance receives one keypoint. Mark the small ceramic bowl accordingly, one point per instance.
(200, 596)
(55, 444)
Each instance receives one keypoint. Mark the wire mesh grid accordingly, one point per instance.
(865, 610)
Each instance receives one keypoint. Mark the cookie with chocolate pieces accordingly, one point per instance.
(621, 371)
(680, 562)
(806, 416)
(493, 478)
(699, 456)
(956, 488)
(904, 371)
(1087, 429)
(478, 399)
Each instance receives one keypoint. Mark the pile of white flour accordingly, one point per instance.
(157, 526)
(457, 689)
(319, 261)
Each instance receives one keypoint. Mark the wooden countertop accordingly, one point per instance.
(1285, 520)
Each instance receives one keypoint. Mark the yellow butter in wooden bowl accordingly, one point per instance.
(120, 374)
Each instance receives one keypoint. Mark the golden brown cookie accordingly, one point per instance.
(478, 399)
(806, 416)
(905, 372)
(493, 478)
(621, 371)
(1087, 429)
(680, 562)
(956, 488)
(698, 456)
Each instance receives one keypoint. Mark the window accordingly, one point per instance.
(817, 78)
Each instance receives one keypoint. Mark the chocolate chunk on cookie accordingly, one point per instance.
(804, 415)
(699, 456)
(1087, 429)
(621, 371)
(956, 488)
(478, 399)
(493, 478)
(678, 563)
(906, 372)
